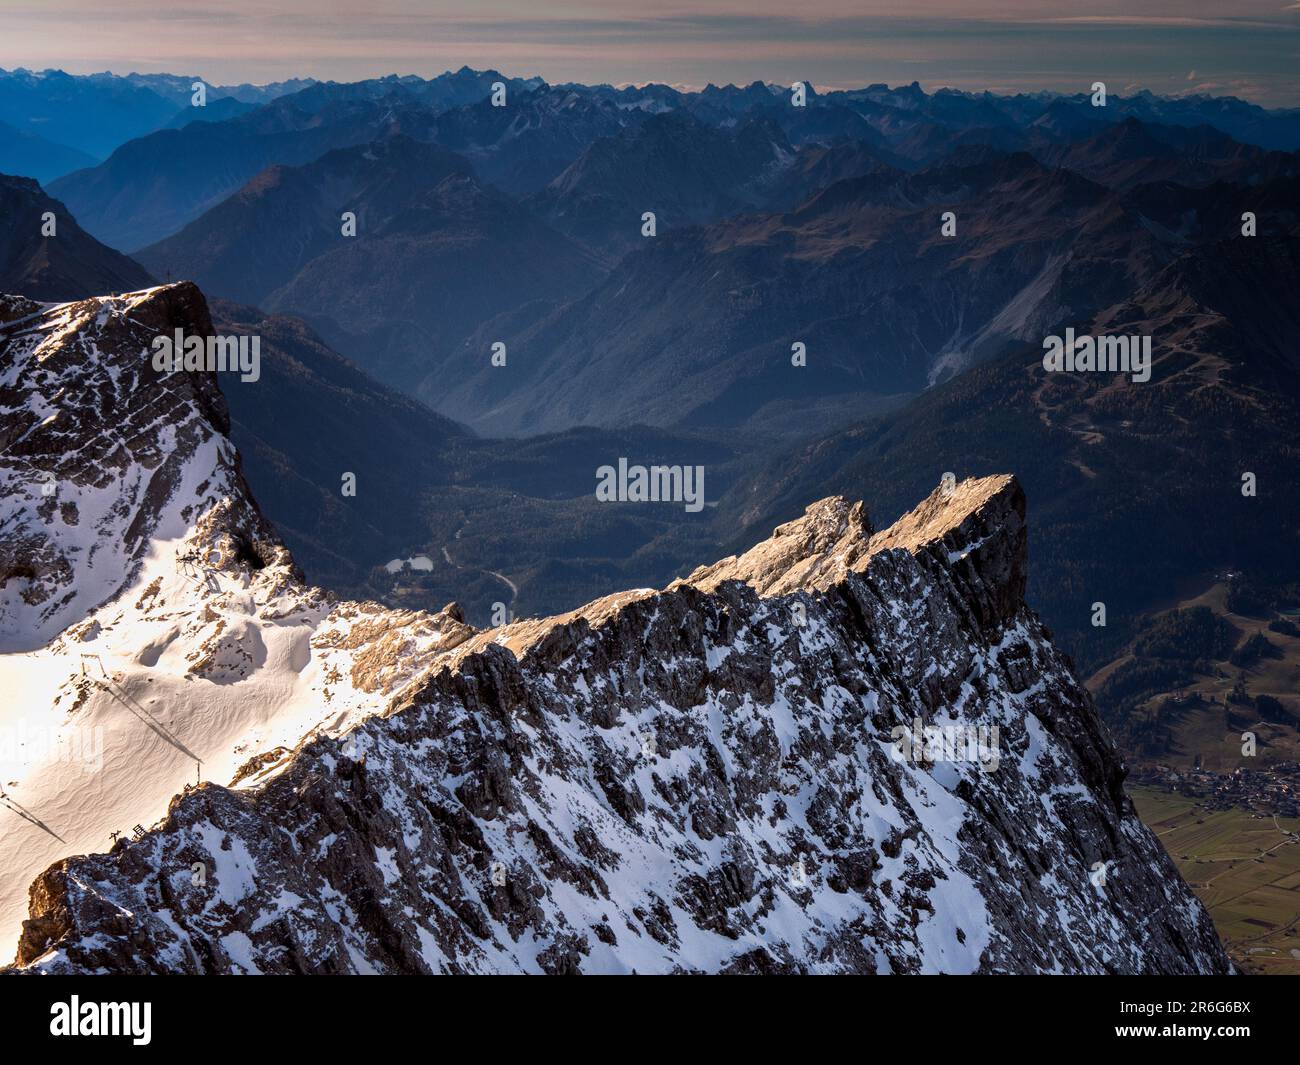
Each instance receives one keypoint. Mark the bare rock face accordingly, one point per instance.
(843, 751)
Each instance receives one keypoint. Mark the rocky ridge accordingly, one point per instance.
(695, 779)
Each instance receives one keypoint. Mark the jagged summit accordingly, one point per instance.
(835, 536)
(832, 534)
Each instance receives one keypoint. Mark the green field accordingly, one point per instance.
(1244, 868)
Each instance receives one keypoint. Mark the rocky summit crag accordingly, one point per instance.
(705, 778)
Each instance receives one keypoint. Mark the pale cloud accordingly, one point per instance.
(969, 44)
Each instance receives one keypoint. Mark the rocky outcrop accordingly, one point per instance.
(843, 751)
(99, 452)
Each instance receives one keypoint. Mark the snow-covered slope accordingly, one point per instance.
(704, 778)
(157, 633)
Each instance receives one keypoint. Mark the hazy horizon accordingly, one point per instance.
(1169, 48)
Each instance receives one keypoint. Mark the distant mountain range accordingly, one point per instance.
(683, 169)
(91, 115)
(834, 244)
(161, 184)
(776, 226)
(152, 186)
(1132, 153)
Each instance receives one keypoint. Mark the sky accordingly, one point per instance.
(1247, 48)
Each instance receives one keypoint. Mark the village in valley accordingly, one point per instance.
(1270, 790)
